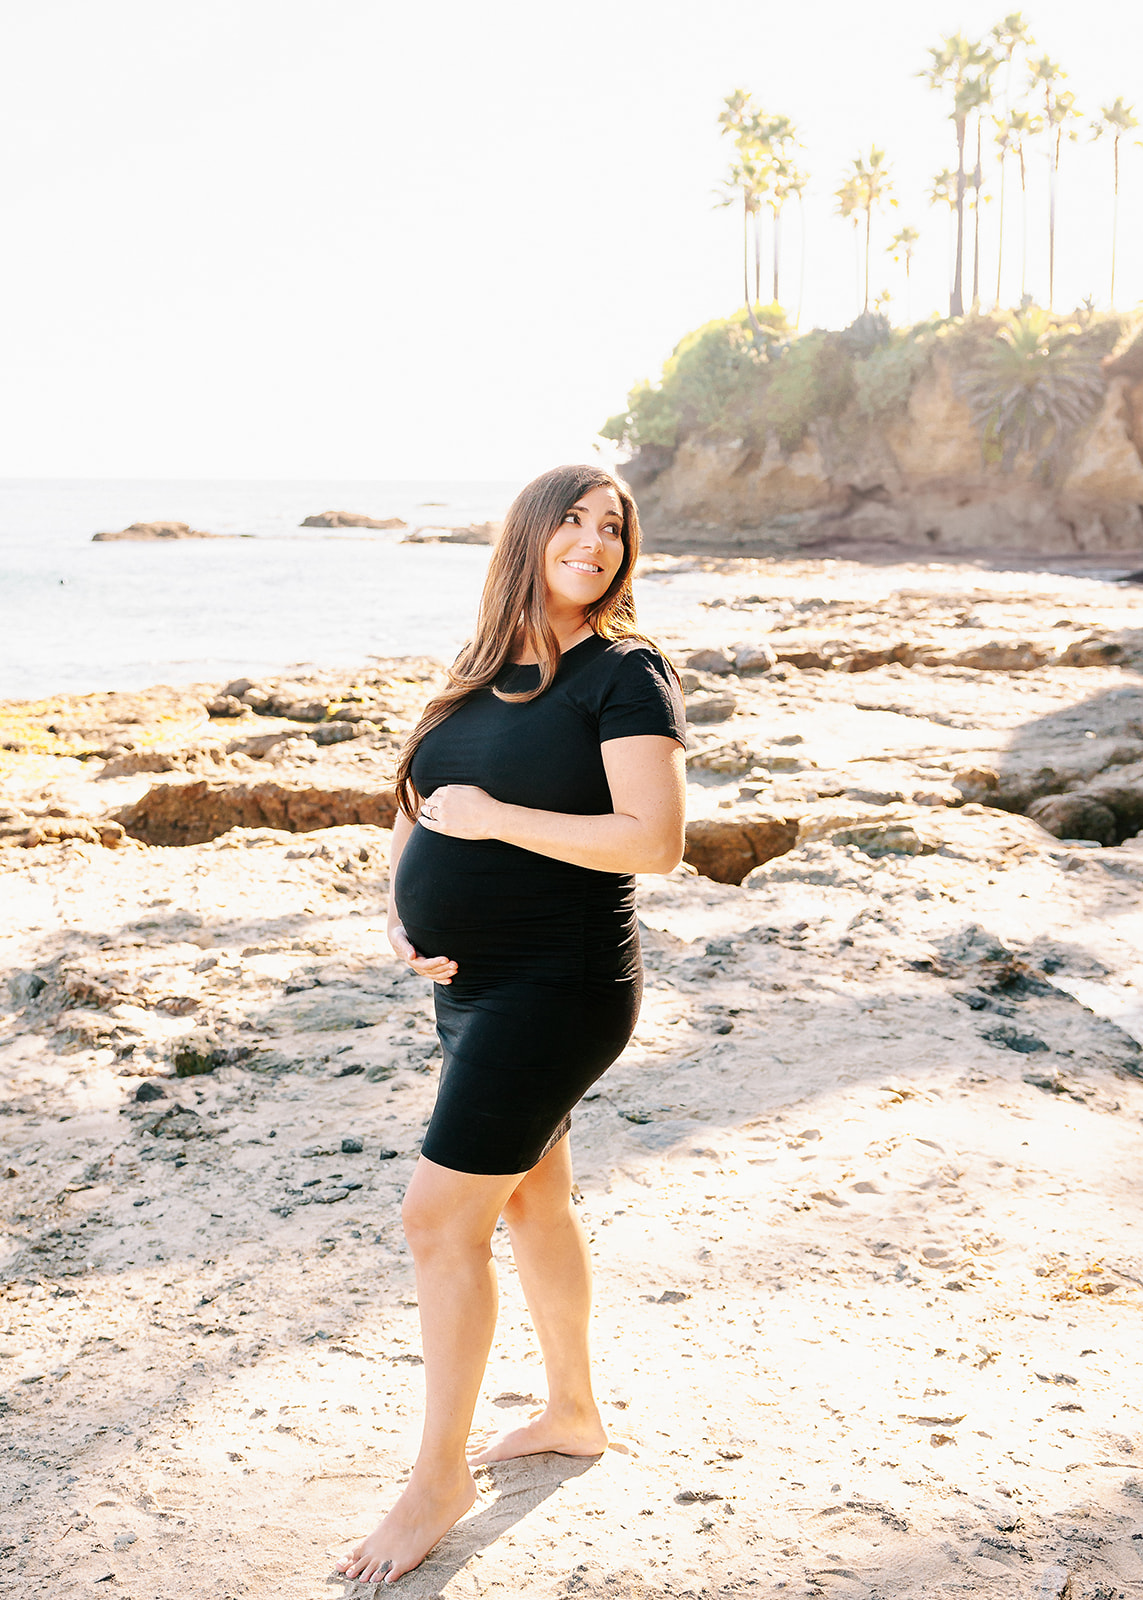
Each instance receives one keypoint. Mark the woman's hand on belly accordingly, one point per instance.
(461, 811)
(439, 968)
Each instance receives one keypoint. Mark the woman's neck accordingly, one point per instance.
(569, 632)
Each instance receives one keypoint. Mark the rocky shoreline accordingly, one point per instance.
(862, 1190)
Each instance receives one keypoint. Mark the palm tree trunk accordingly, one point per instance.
(1052, 171)
(759, 337)
(758, 255)
(956, 306)
(777, 210)
(745, 249)
(868, 231)
(976, 176)
(1023, 226)
(1114, 216)
(1000, 243)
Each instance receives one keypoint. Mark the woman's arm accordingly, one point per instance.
(644, 833)
(439, 968)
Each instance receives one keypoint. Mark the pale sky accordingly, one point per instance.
(357, 239)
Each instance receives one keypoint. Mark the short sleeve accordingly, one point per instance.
(643, 696)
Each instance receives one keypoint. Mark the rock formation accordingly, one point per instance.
(191, 813)
(476, 533)
(350, 519)
(157, 531)
(920, 483)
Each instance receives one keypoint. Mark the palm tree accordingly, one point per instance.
(1032, 389)
(867, 186)
(1007, 37)
(778, 136)
(974, 97)
(1115, 119)
(749, 177)
(943, 193)
(849, 205)
(901, 247)
(953, 61)
(1059, 109)
(1022, 125)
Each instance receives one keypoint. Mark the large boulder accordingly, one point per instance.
(726, 850)
(475, 533)
(191, 813)
(350, 519)
(155, 531)
(711, 707)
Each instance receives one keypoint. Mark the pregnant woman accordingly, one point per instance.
(546, 774)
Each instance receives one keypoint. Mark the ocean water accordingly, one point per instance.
(77, 617)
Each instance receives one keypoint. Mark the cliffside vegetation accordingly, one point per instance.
(1031, 381)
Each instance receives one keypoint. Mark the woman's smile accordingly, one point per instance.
(586, 550)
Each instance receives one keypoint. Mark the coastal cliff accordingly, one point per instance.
(949, 439)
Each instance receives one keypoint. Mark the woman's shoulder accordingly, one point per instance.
(632, 688)
(634, 654)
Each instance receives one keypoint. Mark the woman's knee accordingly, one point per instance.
(435, 1223)
(537, 1205)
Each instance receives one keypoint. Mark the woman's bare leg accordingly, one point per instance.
(552, 1259)
(449, 1217)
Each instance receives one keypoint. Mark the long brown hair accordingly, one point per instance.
(513, 607)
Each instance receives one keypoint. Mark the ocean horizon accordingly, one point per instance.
(78, 616)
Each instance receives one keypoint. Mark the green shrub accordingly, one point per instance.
(810, 378)
(1035, 387)
(884, 379)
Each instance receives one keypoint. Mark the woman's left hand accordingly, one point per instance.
(461, 811)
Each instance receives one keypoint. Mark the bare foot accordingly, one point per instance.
(402, 1540)
(581, 1436)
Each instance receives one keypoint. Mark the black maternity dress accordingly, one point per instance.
(549, 976)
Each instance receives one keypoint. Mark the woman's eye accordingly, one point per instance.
(571, 516)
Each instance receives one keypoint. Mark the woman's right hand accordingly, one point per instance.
(439, 968)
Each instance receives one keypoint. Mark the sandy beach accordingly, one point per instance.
(863, 1192)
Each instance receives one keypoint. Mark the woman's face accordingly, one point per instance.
(586, 551)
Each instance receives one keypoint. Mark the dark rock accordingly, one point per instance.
(1074, 816)
(1010, 1039)
(711, 708)
(716, 661)
(687, 1497)
(753, 657)
(1051, 1081)
(191, 813)
(55, 830)
(178, 1122)
(387, 1155)
(329, 1197)
(226, 705)
(155, 531)
(727, 850)
(195, 1056)
(150, 1090)
(350, 519)
(476, 533)
(352, 1146)
(1092, 652)
(350, 1070)
(25, 986)
(337, 731)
